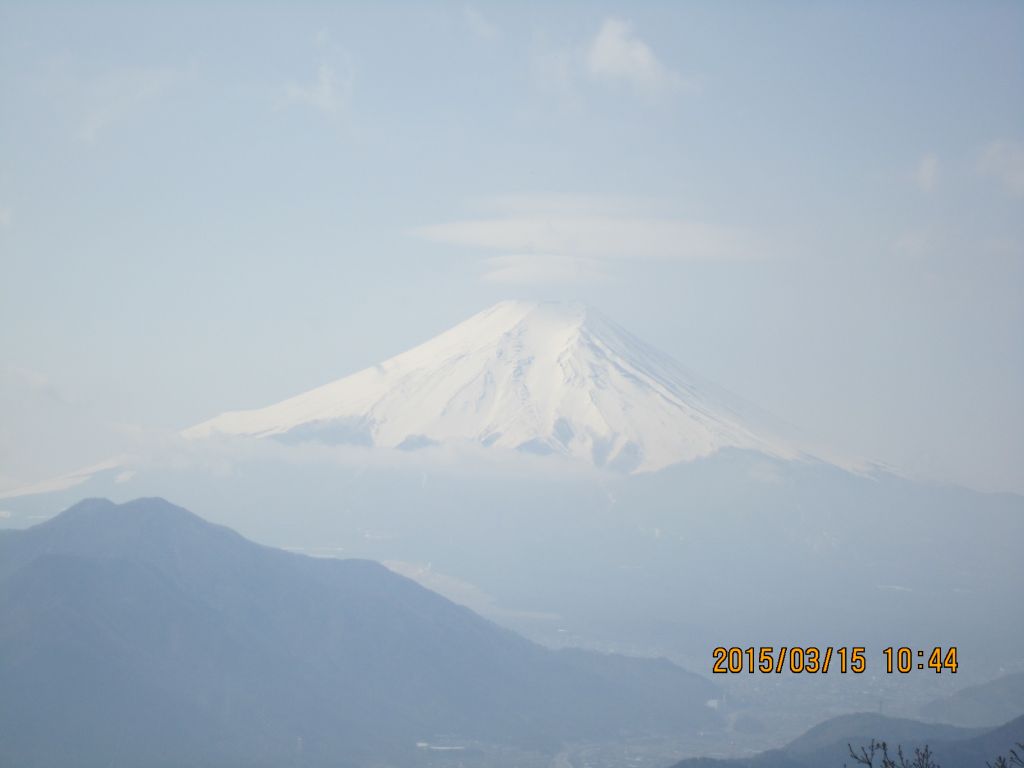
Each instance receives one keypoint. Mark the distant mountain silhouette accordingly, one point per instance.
(141, 635)
(825, 744)
(987, 704)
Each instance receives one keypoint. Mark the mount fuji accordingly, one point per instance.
(537, 377)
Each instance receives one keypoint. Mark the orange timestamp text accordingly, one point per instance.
(852, 659)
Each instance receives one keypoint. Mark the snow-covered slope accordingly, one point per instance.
(537, 377)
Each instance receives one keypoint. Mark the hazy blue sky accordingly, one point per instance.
(820, 206)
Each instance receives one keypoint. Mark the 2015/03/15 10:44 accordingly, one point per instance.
(813, 659)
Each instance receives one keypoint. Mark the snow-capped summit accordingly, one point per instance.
(533, 376)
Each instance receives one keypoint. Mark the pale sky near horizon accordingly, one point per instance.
(818, 205)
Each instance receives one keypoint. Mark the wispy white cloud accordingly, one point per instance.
(31, 381)
(617, 54)
(570, 205)
(560, 239)
(115, 96)
(926, 176)
(330, 93)
(529, 268)
(1004, 160)
(479, 25)
(604, 237)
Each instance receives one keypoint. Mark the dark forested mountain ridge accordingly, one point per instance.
(139, 634)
